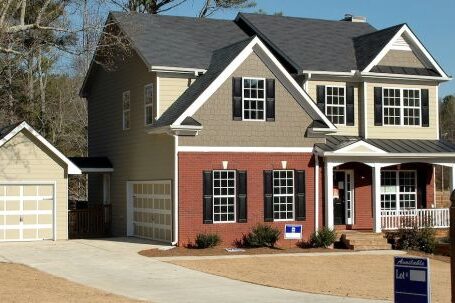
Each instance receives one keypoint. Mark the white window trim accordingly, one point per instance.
(126, 111)
(148, 105)
(224, 196)
(397, 188)
(283, 195)
(344, 105)
(402, 107)
(243, 99)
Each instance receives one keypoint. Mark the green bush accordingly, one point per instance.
(416, 239)
(207, 240)
(261, 236)
(323, 237)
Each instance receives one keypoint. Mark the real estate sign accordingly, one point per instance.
(293, 232)
(412, 280)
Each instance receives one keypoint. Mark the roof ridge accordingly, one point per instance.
(302, 18)
(169, 16)
(381, 30)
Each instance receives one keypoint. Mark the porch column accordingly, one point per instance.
(376, 169)
(328, 178)
(106, 188)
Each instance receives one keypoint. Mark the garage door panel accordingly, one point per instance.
(26, 212)
(152, 207)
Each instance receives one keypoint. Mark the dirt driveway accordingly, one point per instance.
(20, 283)
(361, 276)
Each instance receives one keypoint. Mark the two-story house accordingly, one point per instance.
(218, 125)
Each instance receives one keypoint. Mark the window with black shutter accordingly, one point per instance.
(300, 195)
(350, 105)
(207, 198)
(378, 106)
(237, 98)
(268, 196)
(425, 108)
(270, 99)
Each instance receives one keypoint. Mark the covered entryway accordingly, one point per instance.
(150, 210)
(26, 211)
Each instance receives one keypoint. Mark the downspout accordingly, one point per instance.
(316, 191)
(176, 192)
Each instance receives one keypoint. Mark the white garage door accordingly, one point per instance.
(151, 210)
(26, 212)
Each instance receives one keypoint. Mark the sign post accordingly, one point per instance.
(292, 232)
(411, 280)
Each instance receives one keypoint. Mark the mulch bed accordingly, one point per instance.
(445, 259)
(220, 251)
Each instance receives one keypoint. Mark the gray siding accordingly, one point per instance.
(134, 154)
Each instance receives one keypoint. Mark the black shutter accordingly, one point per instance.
(378, 106)
(268, 196)
(422, 187)
(270, 99)
(300, 198)
(320, 97)
(350, 105)
(207, 197)
(237, 99)
(241, 197)
(425, 108)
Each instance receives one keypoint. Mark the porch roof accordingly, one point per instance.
(394, 146)
(93, 164)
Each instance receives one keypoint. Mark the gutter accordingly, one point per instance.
(182, 130)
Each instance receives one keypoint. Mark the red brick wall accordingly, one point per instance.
(191, 166)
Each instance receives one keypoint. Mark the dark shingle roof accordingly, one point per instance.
(310, 44)
(91, 162)
(220, 60)
(334, 143)
(368, 46)
(405, 70)
(177, 41)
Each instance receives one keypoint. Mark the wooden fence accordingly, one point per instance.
(91, 222)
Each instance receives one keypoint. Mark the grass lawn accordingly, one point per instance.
(362, 276)
(20, 283)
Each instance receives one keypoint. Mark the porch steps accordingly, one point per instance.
(363, 240)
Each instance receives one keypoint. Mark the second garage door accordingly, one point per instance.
(26, 212)
(152, 209)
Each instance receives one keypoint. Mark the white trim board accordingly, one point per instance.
(72, 168)
(405, 30)
(354, 145)
(244, 149)
(227, 72)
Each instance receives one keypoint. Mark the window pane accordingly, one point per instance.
(223, 196)
(335, 104)
(253, 99)
(283, 194)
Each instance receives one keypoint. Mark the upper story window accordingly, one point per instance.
(253, 99)
(401, 106)
(335, 104)
(126, 105)
(224, 195)
(148, 104)
(283, 195)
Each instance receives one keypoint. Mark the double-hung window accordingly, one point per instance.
(126, 105)
(401, 106)
(148, 104)
(283, 195)
(335, 104)
(398, 190)
(224, 193)
(253, 90)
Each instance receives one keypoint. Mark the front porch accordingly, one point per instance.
(368, 188)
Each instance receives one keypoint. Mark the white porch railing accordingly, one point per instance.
(432, 217)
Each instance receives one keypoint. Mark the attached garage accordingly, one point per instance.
(150, 210)
(33, 186)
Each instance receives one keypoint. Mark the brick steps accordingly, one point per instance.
(364, 241)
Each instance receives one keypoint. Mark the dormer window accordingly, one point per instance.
(253, 90)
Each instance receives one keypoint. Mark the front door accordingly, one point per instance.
(343, 197)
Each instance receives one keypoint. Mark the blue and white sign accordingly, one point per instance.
(412, 280)
(293, 232)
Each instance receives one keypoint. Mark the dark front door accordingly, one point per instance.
(339, 201)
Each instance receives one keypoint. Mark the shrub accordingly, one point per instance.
(416, 239)
(261, 236)
(207, 240)
(323, 237)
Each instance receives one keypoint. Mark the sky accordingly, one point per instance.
(431, 20)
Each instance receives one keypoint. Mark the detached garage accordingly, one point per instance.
(33, 186)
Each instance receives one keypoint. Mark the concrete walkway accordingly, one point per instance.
(113, 265)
